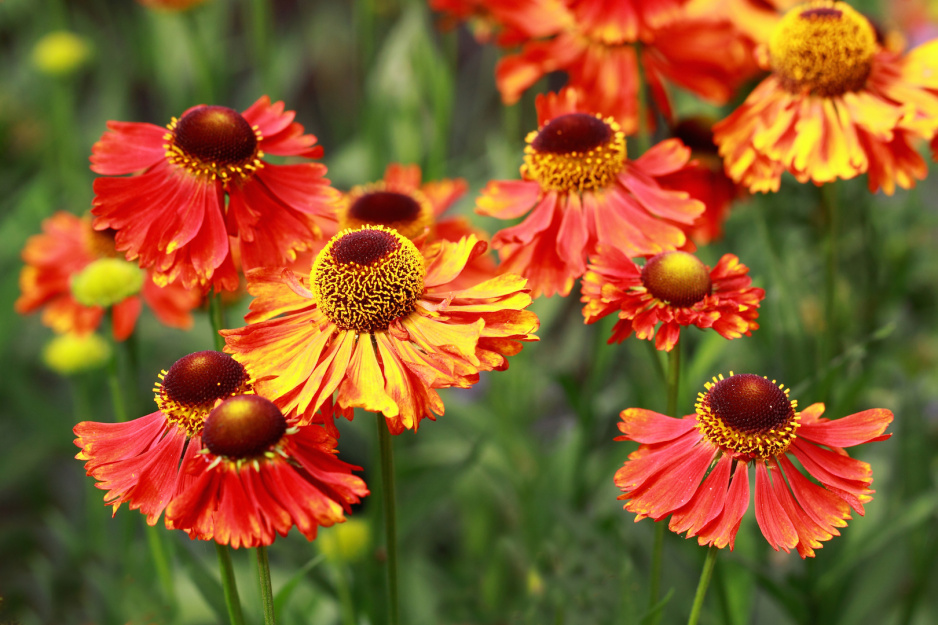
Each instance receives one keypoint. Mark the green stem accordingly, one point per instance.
(656, 558)
(829, 201)
(673, 378)
(263, 578)
(705, 576)
(260, 19)
(229, 585)
(160, 558)
(201, 58)
(216, 314)
(344, 590)
(114, 386)
(390, 516)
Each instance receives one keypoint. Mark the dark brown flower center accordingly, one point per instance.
(574, 132)
(828, 12)
(385, 207)
(678, 278)
(365, 279)
(575, 152)
(216, 134)
(190, 388)
(364, 247)
(243, 426)
(750, 403)
(203, 377)
(748, 416)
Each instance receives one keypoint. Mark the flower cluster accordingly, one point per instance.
(221, 461)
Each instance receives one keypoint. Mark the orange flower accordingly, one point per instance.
(138, 461)
(380, 324)
(835, 106)
(696, 469)
(399, 201)
(257, 477)
(600, 44)
(68, 245)
(173, 216)
(673, 289)
(582, 191)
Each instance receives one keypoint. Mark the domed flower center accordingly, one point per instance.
(214, 142)
(106, 281)
(373, 205)
(243, 426)
(365, 279)
(747, 415)
(824, 48)
(677, 278)
(187, 392)
(575, 152)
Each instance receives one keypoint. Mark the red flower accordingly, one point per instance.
(257, 477)
(138, 461)
(173, 215)
(696, 469)
(600, 44)
(68, 245)
(583, 192)
(673, 289)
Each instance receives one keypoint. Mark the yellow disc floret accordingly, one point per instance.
(747, 415)
(68, 354)
(106, 282)
(677, 278)
(376, 205)
(214, 142)
(575, 152)
(365, 279)
(825, 48)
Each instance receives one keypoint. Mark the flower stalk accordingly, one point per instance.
(390, 516)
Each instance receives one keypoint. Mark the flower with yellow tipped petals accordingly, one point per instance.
(380, 324)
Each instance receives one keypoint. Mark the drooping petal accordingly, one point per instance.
(770, 515)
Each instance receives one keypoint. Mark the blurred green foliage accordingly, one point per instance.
(508, 512)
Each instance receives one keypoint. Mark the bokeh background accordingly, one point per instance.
(508, 511)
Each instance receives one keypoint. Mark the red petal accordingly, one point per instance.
(721, 531)
(707, 502)
(772, 518)
(646, 426)
(673, 486)
(859, 428)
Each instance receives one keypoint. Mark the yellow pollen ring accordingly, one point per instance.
(825, 48)
(191, 417)
(745, 445)
(364, 279)
(210, 170)
(577, 170)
